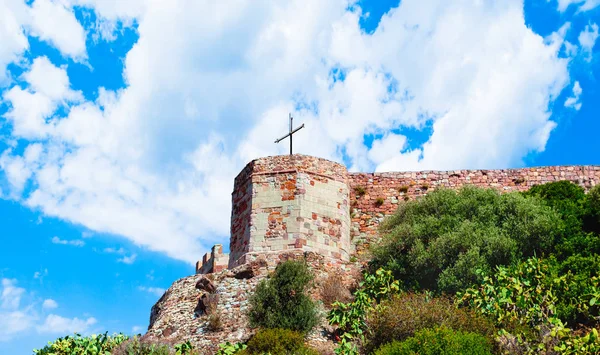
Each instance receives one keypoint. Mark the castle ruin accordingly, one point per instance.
(304, 203)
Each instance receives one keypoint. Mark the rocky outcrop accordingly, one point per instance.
(193, 305)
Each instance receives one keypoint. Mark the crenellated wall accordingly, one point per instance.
(375, 195)
(214, 261)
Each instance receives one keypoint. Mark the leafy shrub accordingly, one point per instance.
(140, 346)
(440, 341)
(77, 344)
(281, 302)
(379, 201)
(579, 275)
(278, 342)
(439, 241)
(592, 206)
(576, 210)
(516, 294)
(404, 315)
(228, 348)
(350, 317)
(403, 189)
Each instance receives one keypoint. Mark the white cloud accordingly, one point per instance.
(56, 324)
(11, 294)
(114, 251)
(49, 304)
(137, 329)
(128, 259)
(54, 23)
(582, 5)
(49, 80)
(30, 108)
(20, 314)
(12, 35)
(157, 291)
(40, 274)
(155, 161)
(575, 100)
(587, 40)
(74, 242)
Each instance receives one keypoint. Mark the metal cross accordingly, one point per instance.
(292, 131)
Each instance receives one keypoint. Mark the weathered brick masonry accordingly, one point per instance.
(299, 202)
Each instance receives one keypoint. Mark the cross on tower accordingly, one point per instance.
(292, 131)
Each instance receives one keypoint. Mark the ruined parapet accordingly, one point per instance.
(290, 202)
(214, 261)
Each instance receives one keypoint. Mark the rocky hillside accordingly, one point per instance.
(211, 309)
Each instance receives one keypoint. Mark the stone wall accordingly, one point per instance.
(214, 261)
(288, 202)
(375, 195)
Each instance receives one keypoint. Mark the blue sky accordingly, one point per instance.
(123, 124)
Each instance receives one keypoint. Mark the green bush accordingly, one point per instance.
(438, 242)
(579, 213)
(77, 344)
(439, 341)
(406, 314)
(281, 301)
(278, 342)
(592, 206)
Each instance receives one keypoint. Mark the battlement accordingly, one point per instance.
(303, 203)
(214, 261)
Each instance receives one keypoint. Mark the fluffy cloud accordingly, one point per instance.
(157, 291)
(587, 40)
(18, 318)
(155, 161)
(53, 22)
(48, 20)
(582, 5)
(13, 39)
(49, 304)
(574, 101)
(75, 242)
(128, 259)
(56, 324)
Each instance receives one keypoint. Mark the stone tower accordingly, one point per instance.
(290, 202)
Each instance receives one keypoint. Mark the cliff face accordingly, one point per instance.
(179, 316)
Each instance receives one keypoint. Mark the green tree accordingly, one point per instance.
(280, 301)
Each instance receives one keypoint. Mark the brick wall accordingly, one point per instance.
(375, 195)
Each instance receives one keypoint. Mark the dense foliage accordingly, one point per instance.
(118, 344)
(350, 317)
(439, 341)
(281, 301)
(77, 344)
(277, 342)
(522, 268)
(404, 315)
(438, 242)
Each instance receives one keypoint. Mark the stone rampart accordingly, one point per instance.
(375, 195)
(214, 261)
